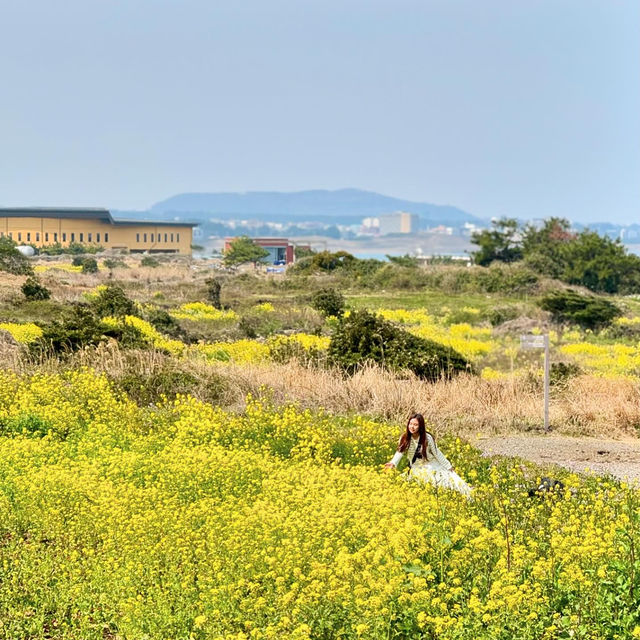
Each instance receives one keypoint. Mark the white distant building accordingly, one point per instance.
(468, 228)
(370, 226)
(398, 222)
(442, 230)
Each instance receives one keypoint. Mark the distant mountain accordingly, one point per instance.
(344, 205)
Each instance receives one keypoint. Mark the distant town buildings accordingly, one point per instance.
(442, 230)
(398, 222)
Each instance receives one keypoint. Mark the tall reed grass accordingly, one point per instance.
(466, 405)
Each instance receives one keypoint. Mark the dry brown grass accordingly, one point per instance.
(466, 405)
(177, 278)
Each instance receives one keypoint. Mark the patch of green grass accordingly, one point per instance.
(432, 301)
(32, 311)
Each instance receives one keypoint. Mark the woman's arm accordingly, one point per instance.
(395, 460)
(437, 454)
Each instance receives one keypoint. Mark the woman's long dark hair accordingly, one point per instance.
(405, 438)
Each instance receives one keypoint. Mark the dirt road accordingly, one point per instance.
(620, 458)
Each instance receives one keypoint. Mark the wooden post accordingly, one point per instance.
(546, 383)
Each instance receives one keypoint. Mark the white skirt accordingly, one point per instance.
(436, 475)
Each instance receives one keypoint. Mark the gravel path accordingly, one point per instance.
(620, 458)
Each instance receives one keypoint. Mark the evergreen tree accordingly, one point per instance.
(501, 243)
(243, 250)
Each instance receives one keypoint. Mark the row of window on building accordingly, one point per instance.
(46, 234)
(159, 237)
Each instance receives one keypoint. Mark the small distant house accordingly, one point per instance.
(280, 249)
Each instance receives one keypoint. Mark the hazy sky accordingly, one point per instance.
(527, 108)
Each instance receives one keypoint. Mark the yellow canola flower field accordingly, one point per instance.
(471, 342)
(187, 521)
(24, 333)
(63, 266)
(610, 360)
(150, 334)
(239, 351)
(202, 311)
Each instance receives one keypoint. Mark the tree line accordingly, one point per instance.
(582, 258)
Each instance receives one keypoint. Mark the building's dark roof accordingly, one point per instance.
(155, 223)
(84, 214)
(56, 212)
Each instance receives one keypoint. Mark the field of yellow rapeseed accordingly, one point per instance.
(202, 311)
(186, 521)
(24, 333)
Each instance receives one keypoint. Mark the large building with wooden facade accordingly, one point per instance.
(46, 226)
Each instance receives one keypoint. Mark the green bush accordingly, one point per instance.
(167, 382)
(33, 290)
(283, 351)
(89, 265)
(500, 278)
(403, 261)
(255, 324)
(81, 327)
(587, 311)
(77, 260)
(622, 332)
(165, 323)
(114, 263)
(499, 315)
(55, 249)
(364, 337)
(214, 286)
(113, 301)
(561, 372)
(340, 261)
(75, 248)
(11, 260)
(328, 302)
(149, 261)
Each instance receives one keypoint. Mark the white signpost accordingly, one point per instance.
(531, 341)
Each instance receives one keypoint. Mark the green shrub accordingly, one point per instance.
(327, 262)
(364, 337)
(11, 260)
(81, 327)
(149, 261)
(254, 324)
(622, 332)
(165, 323)
(55, 249)
(75, 248)
(587, 311)
(214, 286)
(89, 265)
(501, 278)
(509, 279)
(114, 263)
(404, 261)
(77, 329)
(167, 382)
(328, 302)
(77, 260)
(561, 372)
(285, 350)
(33, 290)
(499, 315)
(113, 301)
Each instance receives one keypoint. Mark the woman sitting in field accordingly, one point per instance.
(426, 462)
